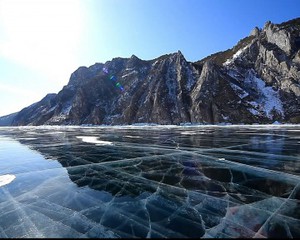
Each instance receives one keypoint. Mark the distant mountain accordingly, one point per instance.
(256, 81)
(7, 120)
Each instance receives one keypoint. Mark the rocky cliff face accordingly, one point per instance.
(257, 81)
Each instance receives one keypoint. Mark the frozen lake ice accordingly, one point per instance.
(150, 181)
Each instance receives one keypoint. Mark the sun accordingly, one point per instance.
(41, 34)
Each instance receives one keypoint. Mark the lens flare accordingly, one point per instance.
(113, 78)
(105, 70)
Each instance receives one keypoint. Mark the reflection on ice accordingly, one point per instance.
(150, 181)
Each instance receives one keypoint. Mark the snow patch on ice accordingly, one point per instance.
(6, 179)
(28, 138)
(90, 139)
(188, 133)
(129, 136)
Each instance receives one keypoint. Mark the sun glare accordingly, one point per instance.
(42, 35)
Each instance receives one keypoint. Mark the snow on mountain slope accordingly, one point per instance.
(235, 56)
(268, 99)
(263, 99)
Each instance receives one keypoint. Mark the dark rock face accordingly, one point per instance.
(7, 120)
(257, 81)
(37, 113)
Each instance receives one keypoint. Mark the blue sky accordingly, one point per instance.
(43, 41)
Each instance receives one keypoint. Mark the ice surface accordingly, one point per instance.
(150, 181)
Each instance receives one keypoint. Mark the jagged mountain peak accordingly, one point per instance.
(134, 60)
(83, 73)
(290, 24)
(268, 24)
(176, 57)
(179, 54)
(255, 32)
(285, 35)
(134, 57)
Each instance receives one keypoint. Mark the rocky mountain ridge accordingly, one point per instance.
(256, 81)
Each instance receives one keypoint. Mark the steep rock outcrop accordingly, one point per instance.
(7, 119)
(37, 113)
